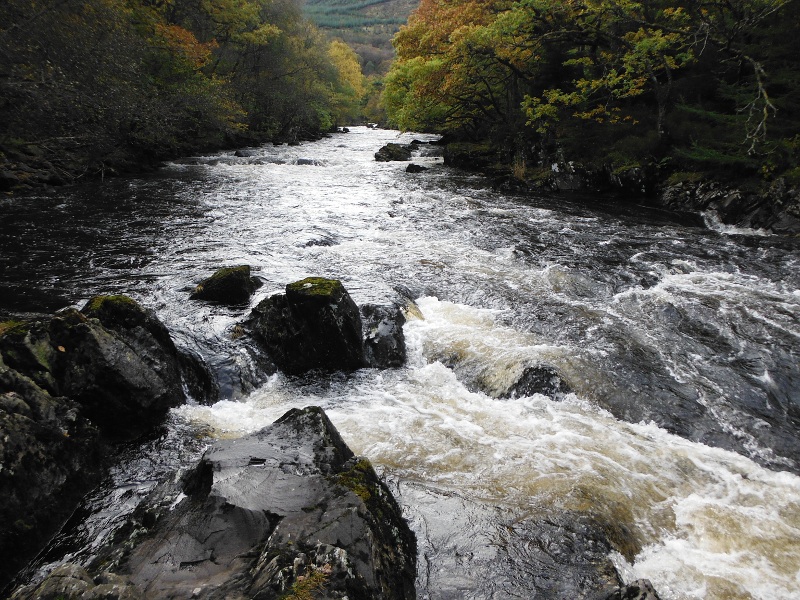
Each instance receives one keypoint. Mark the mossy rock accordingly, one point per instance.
(115, 311)
(228, 285)
(14, 328)
(315, 325)
(123, 314)
(316, 290)
(25, 346)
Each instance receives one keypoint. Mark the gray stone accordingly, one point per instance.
(271, 514)
(393, 152)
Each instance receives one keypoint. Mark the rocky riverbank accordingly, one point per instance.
(772, 206)
(70, 386)
(25, 167)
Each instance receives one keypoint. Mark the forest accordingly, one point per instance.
(90, 87)
(679, 88)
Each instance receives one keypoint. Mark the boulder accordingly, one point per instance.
(287, 512)
(67, 383)
(126, 379)
(412, 168)
(229, 285)
(392, 152)
(314, 325)
(114, 358)
(49, 457)
(384, 340)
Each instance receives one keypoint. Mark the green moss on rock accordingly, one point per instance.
(15, 328)
(229, 285)
(315, 286)
(116, 302)
(359, 479)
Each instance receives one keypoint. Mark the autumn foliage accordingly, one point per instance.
(701, 85)
(98, 84)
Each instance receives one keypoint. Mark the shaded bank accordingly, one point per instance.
(755, 204)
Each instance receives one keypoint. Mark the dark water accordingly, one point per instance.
(680, 343)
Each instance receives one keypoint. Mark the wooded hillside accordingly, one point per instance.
(92, 86)
(366, 25)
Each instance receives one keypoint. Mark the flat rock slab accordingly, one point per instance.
(287, 510)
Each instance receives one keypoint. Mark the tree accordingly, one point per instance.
(617, 72)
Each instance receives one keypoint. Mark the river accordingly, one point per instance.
(680, 345)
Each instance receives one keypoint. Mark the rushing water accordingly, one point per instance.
(680, 344)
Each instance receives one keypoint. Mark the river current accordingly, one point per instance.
(680, 343)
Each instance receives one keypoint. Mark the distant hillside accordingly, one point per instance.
(367, 26)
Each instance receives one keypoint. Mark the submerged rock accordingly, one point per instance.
(314, 325)
(229, 285)
(641, 589)
(384, 340)
(539, 379)
(414, 168)
(281, 513)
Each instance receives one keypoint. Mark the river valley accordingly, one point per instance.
(678, 435)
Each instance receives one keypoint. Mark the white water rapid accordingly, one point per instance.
(680, 345)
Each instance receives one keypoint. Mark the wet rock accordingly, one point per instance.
(72, 582)
(67, 383)
(49, 457)
(199, 380)
(776, 208)
(229, 285)
(126, 379)
(314, 325)
(245, 153)
(384, 340)
(412, 168)
(641, 589)
(539, 379)
(287, 509)
(473, 549)
(393, 152)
